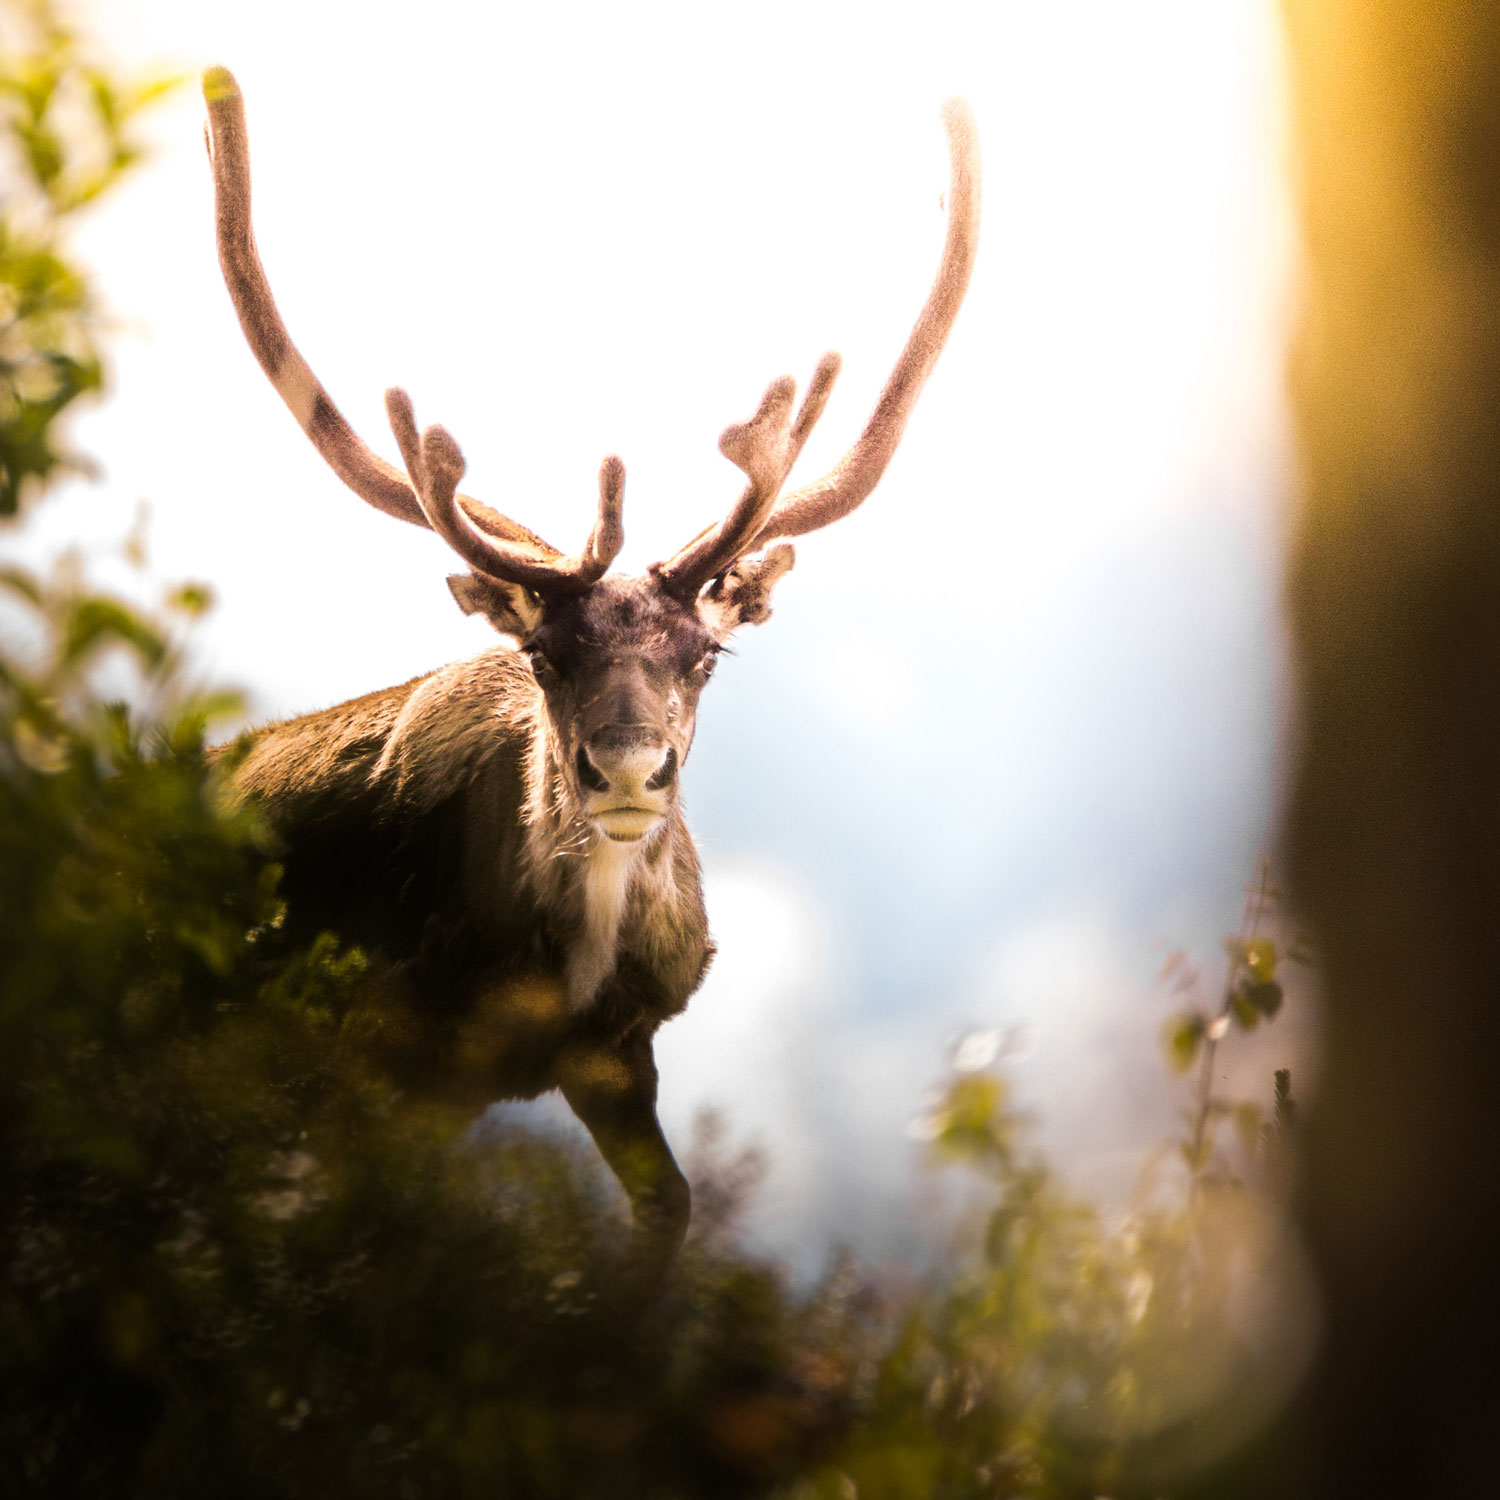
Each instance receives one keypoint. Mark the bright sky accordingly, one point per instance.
(1027, 691)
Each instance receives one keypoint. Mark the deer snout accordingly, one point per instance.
(615, 760)
(626, 774)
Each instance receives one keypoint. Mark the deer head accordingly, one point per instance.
(619, 662)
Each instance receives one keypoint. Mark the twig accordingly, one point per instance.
(1257, 898)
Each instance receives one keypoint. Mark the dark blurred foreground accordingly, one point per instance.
(1394, 591)
(233, 1255)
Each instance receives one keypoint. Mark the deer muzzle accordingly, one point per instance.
(627, 774)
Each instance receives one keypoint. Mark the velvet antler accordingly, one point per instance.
(859, 471)
(435, 465)
(474, 530)
(766, 443)
(765, 447)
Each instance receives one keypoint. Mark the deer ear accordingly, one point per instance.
(742, 594)
(511, 609)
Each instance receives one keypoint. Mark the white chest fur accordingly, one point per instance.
(606, 885)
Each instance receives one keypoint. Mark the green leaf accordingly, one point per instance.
(149, 90)
(44, 153)
(1243, 1009)
(1266, 997)
(95, 621)
(1183, 1036)
(1260, 958)
(18, 581)
(191, 598)
(212, 708)
(1197, 1157)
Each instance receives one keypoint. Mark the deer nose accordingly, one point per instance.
(627, 760)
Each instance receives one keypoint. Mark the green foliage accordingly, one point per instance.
(1057, 1353)
(234, 1249)
(1184, 1036)
(66, 136)
(1251, 993)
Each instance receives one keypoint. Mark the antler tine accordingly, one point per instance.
(765, 447)
(435, 465)
(368, 475)
(608, 535)
(859, 471)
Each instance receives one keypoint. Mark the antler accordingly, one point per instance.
(484, 533)
(436, 465)
(765, 447)
(859, 471)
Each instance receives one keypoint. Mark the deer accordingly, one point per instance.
(504, 836)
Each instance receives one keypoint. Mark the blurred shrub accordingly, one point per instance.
(1060, 1352)
(65, 138)
(233, 1252)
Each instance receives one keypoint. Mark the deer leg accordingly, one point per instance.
(613, 1091)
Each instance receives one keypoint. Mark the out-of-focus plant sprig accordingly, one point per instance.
(1252, 993)
(61, 632)
(1061, 1351)
(67, 134)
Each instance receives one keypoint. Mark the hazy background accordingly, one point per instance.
(1011, 735)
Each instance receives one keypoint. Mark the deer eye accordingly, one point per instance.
(709, 662)
(537, 659)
